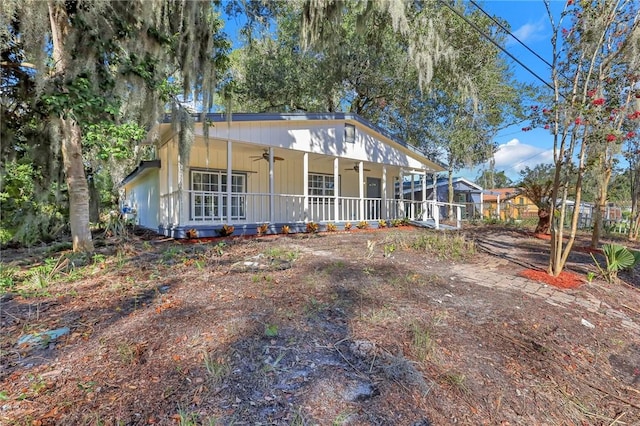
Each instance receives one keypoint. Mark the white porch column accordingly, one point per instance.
(384, 193)
(412, 208)
(229, 175)
(180, 193)
(361, 192)
(305, 184)
(169, 204)
(401, 194)
(424, 196)
(336, 189)
(435, 187)
(271, 187)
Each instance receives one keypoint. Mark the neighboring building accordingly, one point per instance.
(276, 169)
(507, 204)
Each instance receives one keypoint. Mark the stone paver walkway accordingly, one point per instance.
(492, 275)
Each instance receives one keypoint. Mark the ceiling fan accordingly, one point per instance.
(357, 169)
(265, 156)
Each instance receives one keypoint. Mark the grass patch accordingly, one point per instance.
(456, 380)
(217, 367)
(280, 253)
(445, 246)
(8, 276)
(422, 342)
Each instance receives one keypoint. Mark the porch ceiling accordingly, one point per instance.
(253, 150)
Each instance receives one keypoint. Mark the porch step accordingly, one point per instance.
(430, 223)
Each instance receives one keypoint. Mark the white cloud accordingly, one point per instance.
(514, 156)
(530, 32)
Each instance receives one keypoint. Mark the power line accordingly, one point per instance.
(496, 44)
(510, 34)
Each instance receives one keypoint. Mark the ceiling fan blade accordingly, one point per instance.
(367, 170)
(278, 158)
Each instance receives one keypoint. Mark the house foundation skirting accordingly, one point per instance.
(209, 231)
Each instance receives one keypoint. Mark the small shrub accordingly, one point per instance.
(396, 223)
(7, 277)
(388, 249)
(226, 230)
(312, 227)
(347, 226)
(41, 276)
(263, 229)
(331, 227)
(285, 229)
(382, 223)
(444, 246)
(115, 225)
(618, 258)
(271, 330)
(218, 249)
(192, 233)
(363, 224)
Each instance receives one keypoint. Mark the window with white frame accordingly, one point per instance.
(208, 199)
(321, 185)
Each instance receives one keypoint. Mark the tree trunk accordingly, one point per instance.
(634, 219)
(597, 223)
(77, 185)
(600, 203)
(71, 139)
(94, 200)
(544, 222)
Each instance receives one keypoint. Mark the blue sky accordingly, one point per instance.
(530, 23)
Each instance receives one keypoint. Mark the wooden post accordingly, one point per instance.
(336, 189)
(361, 186)
(305, 184)
(229, 175)
(385, 214)
(271, 187)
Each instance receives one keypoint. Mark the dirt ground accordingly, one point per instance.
(346, 328)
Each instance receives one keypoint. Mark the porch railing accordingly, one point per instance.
(205, 207)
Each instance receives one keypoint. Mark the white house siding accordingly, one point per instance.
(290, 139)
(319, 137)
(143, 195)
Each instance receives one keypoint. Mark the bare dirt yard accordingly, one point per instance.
(400, 326)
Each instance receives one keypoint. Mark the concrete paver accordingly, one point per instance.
(493, 275)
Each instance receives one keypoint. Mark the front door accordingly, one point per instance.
(374, 202)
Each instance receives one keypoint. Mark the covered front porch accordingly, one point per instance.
(278, 186)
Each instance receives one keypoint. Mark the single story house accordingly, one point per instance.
(274, 170)
(508, 203)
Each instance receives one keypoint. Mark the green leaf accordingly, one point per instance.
(636, 258)
(618, 257)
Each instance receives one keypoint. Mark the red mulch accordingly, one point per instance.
(564, 280)
(543, 236)
(587, 249)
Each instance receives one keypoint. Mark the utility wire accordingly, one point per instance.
(506, 30)
(475, 27)
(509, 33)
